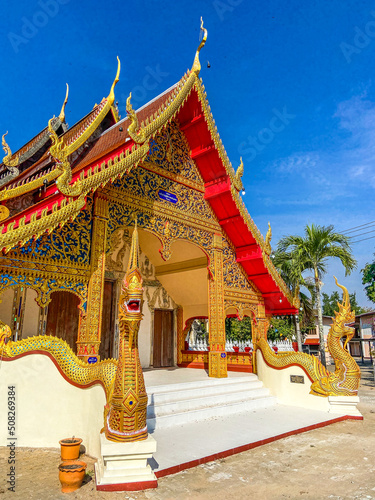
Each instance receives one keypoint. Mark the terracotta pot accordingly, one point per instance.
(70, 448)
(71, 475)
(247, 349)
(236, 348)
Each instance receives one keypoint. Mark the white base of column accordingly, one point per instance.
(345, 405)
(123, 466)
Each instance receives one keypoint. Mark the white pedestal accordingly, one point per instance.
(344, 405)
(123, 466)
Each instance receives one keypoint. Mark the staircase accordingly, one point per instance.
(187, 402)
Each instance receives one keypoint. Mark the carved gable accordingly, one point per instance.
(170, 151)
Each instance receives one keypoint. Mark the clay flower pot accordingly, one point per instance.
(70, 448)
(247, 349)
(236, 348)
(71, 475)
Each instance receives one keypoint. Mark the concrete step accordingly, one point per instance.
(156, 409)
(197, 384)
(182, 403)
(166, 394)
(175, 419)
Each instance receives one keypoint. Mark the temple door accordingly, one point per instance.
(108, 321)
(163, 339)
(63, 317)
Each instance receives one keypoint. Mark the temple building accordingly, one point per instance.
(69, 201)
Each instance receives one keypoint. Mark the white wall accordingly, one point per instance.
(294, 394)
(144, 337)
(279, 384)
(48, 408)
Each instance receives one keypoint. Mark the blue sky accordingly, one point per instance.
(290, 87)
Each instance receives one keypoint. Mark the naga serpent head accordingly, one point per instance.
(344, 316)
(131, 298)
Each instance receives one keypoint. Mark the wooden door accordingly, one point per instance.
(163, 339)
(63, 317)
(108, 321)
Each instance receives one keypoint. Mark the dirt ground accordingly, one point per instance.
(335, 462)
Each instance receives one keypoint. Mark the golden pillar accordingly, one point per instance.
(90, 325)
(217, 358)
(180, 334)
(259, 331)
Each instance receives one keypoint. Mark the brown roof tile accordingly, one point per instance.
(112, 137)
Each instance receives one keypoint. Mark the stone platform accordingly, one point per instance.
(204, 436)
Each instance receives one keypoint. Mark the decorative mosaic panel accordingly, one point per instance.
(170, 151)
(68, 244)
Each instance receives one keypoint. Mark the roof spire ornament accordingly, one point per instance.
(197, 65)
(62, 112)
(237, 181)
(268, 248)
(136, 132)
(111, 96)
(7, 160)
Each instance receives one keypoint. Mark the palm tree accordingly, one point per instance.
(290, 269)
(312, 252)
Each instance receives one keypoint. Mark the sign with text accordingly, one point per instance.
(297, 379)
(164, 195)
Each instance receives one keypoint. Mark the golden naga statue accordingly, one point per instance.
(125, 413)
(76, 370)
(344, 381)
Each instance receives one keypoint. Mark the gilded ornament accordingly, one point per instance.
(62, 112)
(4, 213)
(196, 64)
(237, 181)
(267, 246)
(125, 413)
(77, 371)
(345, 380)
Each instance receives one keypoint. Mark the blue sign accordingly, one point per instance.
(92, 360)
(223, 355)
(164, 195)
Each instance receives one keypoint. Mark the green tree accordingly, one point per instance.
(368, 279)
(330, 303)
(312, 251)
(281, 328)
(238, 330)
(290, 268)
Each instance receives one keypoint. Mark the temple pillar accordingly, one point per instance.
(260, 327)
(90, 325)
(180, 334)
(217, 357)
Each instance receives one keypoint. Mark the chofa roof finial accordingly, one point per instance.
(62, 112)
(197, 65)
(111, 96)
(7, 160)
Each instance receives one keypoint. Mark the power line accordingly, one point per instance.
(361, 234)
(355, 227)
(364, 239)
